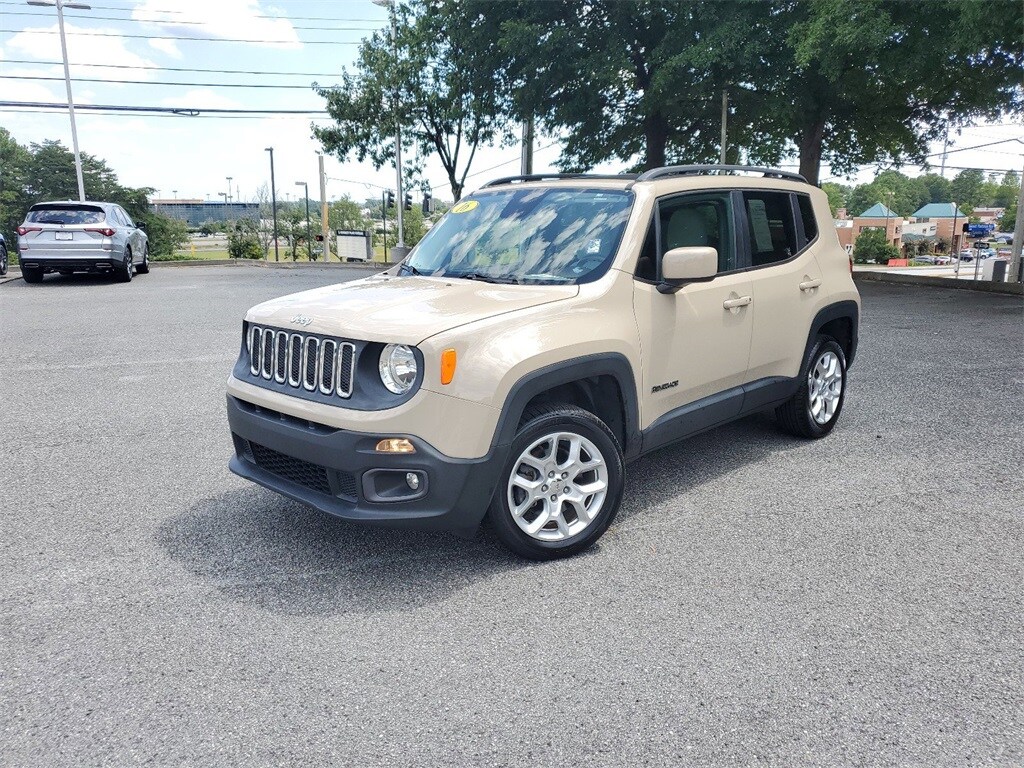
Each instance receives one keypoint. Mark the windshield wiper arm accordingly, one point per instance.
(410, 269)
(504, 279)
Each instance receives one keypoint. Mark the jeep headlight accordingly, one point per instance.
(398, 368)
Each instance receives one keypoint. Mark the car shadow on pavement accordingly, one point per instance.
(259, 548)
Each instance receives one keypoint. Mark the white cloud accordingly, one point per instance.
(166, 46)
(236, 19)
(200, 98)
(43, 43)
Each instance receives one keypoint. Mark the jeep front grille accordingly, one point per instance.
(314, 363)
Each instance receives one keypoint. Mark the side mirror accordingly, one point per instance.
(687, 265)
(141, 225)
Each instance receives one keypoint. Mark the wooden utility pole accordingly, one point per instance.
(526, 156)
(725, 119)
(1018, 239)
(325, 229)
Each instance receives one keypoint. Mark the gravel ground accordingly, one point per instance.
(760, 600)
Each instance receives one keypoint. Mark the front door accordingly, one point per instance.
(696, 341)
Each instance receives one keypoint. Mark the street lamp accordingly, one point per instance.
(309, 243)
(273, 201)
(61, 5)
(390, 5)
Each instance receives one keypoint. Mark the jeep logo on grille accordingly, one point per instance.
(301, 320)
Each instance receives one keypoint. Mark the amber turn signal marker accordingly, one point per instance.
(395, 445)
(447, 366)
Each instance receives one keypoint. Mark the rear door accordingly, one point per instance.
(782, 236)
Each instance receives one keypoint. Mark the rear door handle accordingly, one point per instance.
(809, 285)
(742, 301)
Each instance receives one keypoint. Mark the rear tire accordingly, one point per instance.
(814, 410)
(32, 274)
(143, 268)
(125, 272)
(3, 261)
(561, 485)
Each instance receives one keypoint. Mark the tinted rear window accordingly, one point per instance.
(65, 215)
(807, 216)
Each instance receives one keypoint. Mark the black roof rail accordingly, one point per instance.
(555, 176)
(702, 170)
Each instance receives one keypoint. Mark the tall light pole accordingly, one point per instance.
(309, 243)
(61, 5)
(273, 201)
(400, 245)
(324, 223)
(229, 187)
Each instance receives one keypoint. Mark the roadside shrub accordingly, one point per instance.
(166, 235)
(244, 241)
(872, 246)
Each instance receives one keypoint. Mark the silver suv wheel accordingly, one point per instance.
(558, 486)
(824, 387)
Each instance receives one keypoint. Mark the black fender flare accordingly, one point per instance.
(532, 384)
(841, 309)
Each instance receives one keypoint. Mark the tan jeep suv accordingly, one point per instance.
(548, 330)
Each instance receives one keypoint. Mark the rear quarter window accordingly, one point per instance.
(57, 215)
(810, 224)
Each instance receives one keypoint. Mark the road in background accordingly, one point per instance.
(759, 600)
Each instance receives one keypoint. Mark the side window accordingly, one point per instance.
(770, 226)
(125, 217)
(699, 220)
(810, 224)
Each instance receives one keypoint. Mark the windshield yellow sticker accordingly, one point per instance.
(465, 206)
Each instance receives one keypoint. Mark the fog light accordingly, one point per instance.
(412, 480)
(395, 445)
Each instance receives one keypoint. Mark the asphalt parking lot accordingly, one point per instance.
(760, 600)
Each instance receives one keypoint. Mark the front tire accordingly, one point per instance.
(3, 261)
(814, 410)
(561, 486)
(143, 268)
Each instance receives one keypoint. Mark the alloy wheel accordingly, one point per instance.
(557, 486)
(825, 387)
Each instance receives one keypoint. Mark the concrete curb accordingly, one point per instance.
(987, 286)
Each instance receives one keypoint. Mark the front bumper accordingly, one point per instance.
(334, 470)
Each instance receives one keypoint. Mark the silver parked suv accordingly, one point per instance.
(548, 330)
(69, 236)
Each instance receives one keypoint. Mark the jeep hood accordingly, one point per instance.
(402, 310)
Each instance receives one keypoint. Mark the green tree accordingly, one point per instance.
(967, 189)
(1008, 190)
(938, 188)
(346, 213)
(444, 107)
(1009, 219)
(838, 195)
(894, 190)
(873, 246)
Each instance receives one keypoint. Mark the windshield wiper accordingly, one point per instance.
(410, 269)
(504, 279)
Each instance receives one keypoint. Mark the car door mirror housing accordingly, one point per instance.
(680, 266)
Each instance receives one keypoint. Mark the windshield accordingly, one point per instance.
(65, 215)
(526, 236)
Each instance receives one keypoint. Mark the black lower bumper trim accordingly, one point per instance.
(323, 467)
(101, 264)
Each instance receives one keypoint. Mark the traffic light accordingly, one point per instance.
(391, 199)
(407, 203)
(428, 204)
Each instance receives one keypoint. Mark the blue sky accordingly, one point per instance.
(195, 155)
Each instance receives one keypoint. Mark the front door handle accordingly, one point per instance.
(810, 285)
(742, 301)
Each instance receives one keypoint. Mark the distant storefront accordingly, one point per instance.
(195, 212)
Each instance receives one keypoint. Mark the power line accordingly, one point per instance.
(176, 114)
(182, 13)
(176, 23)
(157, 82)
(173, 69)
(90, 33)
(187, 111)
